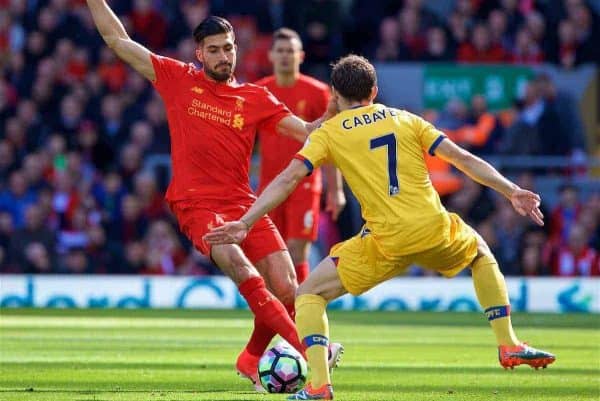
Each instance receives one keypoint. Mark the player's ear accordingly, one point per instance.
(374, 91)
(199, 55)
(302, 55)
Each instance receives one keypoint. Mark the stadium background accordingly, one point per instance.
(84, 141)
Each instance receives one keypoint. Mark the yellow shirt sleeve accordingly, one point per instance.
(429, 137)
(315, 151)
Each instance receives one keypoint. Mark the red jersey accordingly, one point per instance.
(307, 99)
(212, 127)
(568, 264)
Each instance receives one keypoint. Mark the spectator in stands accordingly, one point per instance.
(538, 129)
(17, 198)
(473, 202)
(151, 201)
(481, 49)
(526, 50)
(134, 258)
(389, 48)
(437, 47)
(411, 37)
(531, 262)
(509, 229)
(114, 126)
(34, 231)
(132, 226)
(76, 261)
(565, 214)
(94, 150)
(104, 254)
(6, 231)
(7, 162)
(164, 254)
(567, 52)
(149, 25)
(111, 70)
(497, 23)
(576, 258)
(37, 259)
(568, 114)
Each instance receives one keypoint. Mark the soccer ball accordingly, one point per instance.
(282, 369)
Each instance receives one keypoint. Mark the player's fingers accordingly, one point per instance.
(539, 216)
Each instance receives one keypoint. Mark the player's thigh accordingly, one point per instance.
(278, 272)
(324, 281)
(361, 266)
(453, 255)
(195, 221)
(231, 260)
(277, 216)
(262, 240)
(301, 211)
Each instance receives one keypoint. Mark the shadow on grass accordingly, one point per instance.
(225, 367)
(461, 319)
(517, 391)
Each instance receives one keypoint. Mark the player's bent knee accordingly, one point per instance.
(285, 292)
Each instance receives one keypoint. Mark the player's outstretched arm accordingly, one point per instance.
(275, 193)
(525, 202)
(115, 36)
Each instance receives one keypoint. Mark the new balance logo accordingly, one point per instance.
(197, 90)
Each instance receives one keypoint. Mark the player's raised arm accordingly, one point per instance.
(525, 202)
(115, 36)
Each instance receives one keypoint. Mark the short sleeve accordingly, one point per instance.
(315, 151)
(271, 111)
(167, 70)
(429, 137)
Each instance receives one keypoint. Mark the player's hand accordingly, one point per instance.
(336, 200)
(527, 203)
(232, 232)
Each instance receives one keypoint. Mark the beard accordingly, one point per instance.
(220, 76)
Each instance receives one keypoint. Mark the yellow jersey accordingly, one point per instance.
(380, 152)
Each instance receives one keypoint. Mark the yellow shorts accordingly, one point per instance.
(361, 265)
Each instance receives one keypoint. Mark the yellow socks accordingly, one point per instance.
(313, 330)
(491, 291)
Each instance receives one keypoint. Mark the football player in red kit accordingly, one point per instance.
(297, 217)
(212, 123)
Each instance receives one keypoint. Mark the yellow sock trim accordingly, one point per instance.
(490, 288)
(311, 320)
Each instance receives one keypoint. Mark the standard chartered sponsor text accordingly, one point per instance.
(209, 112)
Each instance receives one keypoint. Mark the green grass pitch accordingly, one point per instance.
(168, 355)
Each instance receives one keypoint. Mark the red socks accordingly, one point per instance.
(271, 317)
(302, 270)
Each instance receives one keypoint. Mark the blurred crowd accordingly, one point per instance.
(77, 127)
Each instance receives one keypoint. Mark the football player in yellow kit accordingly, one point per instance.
(380, 152)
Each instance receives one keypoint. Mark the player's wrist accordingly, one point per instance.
(244, 222)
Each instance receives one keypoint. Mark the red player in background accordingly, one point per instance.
(297, 217)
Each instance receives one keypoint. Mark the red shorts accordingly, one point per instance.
(196, 219)
(298, 216)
